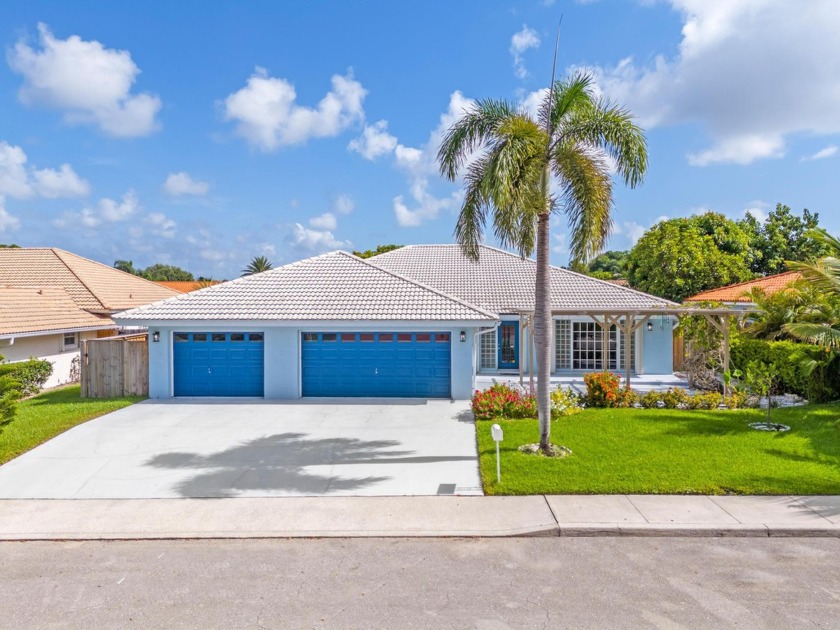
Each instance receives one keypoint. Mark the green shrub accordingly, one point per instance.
(603, 390)
(564, 402)
(503, 401)
(30, 375)
(787, 361)
(652, 399)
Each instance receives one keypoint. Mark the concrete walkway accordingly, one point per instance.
(442, 516)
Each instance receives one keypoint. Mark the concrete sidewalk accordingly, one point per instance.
(433, 516)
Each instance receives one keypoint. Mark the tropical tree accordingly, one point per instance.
(510, 162)
(801, 302)
(782, 236)
(257, 265)
(612, 263)
(824, 275)
(380, 249)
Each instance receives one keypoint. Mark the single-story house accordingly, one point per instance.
(738, 295)
(52, 300)
(420, 321)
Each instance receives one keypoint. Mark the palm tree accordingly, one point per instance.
(510, 160)
(824, 275)
(257, 265)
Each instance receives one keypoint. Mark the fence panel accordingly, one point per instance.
(114, 367)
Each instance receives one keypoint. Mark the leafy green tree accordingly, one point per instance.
(161, 272)
(9, 395)
(9, 246)
(783, 236)
(126, 266)
(508, 160)
(257, 265)
(678, 258)
(380, 249)
(612, 262)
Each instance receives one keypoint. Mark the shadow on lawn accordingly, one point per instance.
(277, 462)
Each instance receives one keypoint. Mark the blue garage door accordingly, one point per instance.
(218, 364)
(401, 365)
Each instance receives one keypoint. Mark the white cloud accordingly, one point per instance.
(314, 241)
(560, 245)
(161, 224)
(633, 230)
(267, 249)
(182, 183)
(726, 75)
(343, 204)
(520, 42)
(105, 211)
(374, 141)
(268, 117)
(21, 182)
(326, 221)
(90, 83)
(827, 152)
(758, 209)
(8, 223)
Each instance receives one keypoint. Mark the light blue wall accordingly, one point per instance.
(656, 350)
(282, 354)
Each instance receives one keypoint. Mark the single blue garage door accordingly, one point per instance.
(400, 365)
(218, 364)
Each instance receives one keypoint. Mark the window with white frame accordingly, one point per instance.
(580, 345)
(487, 358)
(562, 343)
(70, 341)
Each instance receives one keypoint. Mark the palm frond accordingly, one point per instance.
(586, 198)
(817, 334)
(823, 274)
(572, 94)
(478, 126)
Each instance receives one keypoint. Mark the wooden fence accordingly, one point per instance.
(679, 351)
(115, 366)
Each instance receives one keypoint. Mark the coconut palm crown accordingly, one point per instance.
(257, 265)
(511, 161)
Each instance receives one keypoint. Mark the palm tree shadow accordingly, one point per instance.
(278, 463)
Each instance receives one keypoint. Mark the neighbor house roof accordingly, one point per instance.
(739, 292)
(186, 286)
(30, 310)
(502, 282)
(334, 286)
(92, 285)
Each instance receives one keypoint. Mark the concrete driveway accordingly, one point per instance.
(236, 448)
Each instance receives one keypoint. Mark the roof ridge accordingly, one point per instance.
(478, 309)
(55, 251)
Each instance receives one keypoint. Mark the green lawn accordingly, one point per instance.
(43, 417)
(653, 451)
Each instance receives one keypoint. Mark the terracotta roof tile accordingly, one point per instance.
(92, 285)
(738, 292)
(186, 286)
(28, 310)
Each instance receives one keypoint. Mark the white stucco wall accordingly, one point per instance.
(282, 353)
(46, 347)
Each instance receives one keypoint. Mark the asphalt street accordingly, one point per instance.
(440, 583)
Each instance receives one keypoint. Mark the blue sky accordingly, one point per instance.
(203, 134)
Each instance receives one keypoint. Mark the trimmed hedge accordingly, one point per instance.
(31, 374)
(821, 385)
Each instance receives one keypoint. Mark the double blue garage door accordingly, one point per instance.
(218, 363)
(403, 365)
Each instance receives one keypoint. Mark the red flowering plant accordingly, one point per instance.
(603, 389)
(503, 401)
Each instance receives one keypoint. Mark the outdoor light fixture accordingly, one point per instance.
(650, 326)
(463, 336)
(156, 336)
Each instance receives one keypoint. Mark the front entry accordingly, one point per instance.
(509, 346)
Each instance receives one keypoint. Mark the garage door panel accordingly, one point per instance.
(218, 364)
(376, 364)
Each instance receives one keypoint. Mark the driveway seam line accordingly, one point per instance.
(553, 515)
(807, 507)
(737, 520)
(636, 507)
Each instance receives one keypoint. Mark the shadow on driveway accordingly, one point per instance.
(276, 462)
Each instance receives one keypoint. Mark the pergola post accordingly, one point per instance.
(522, 325)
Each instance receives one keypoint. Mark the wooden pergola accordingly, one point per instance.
(628, 321)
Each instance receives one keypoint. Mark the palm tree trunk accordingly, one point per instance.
(542, 319)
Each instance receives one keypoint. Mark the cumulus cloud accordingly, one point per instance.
(105, 211)
(326, 221)
(181, 183)
(314, 241)
(19, 181)
(343, 204)
(91, 84)
(633, 230)
(827, 152)
(161, 224)
(520, 42)
(726, 76)
(268, 116)
(8, 223)
(758, 209)
(374, 141)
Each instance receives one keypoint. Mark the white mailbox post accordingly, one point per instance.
(498, 436)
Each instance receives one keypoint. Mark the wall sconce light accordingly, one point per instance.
(463, 336)
(650, 326)
(156, 336)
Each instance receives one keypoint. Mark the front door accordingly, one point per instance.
(509, 346)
